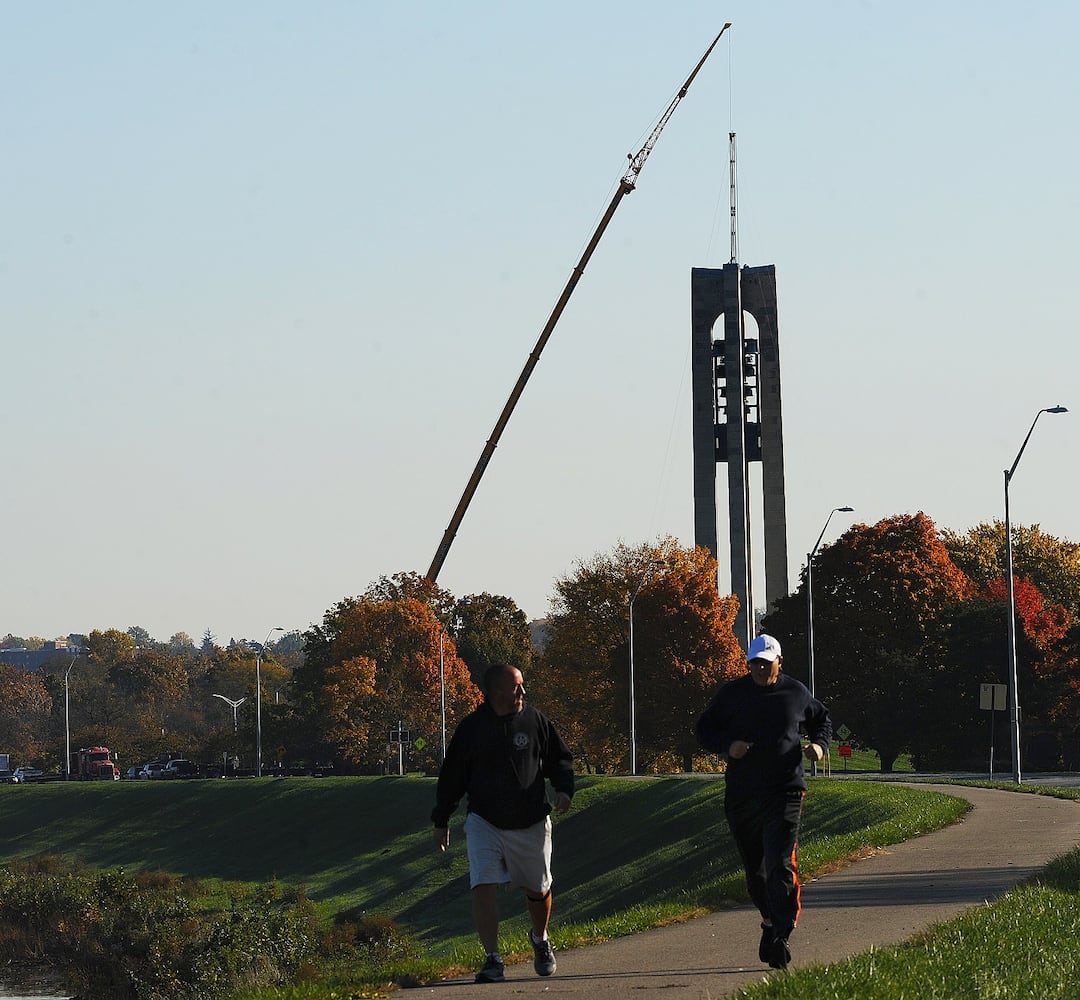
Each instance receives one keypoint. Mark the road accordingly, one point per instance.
(1005, 839)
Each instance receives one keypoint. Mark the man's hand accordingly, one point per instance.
(562, 803)
(738, 749)
(813, 752)
(441, 835)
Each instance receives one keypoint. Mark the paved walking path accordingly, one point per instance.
(1004, 839)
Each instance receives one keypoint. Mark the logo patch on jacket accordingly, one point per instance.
(521, 741)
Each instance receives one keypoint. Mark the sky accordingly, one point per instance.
(269, 271)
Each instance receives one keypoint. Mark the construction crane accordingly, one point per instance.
(626, 184)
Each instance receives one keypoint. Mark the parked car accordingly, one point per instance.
(24, 774)
(181, 768)
(7, 778)
(132, 773)
(150, 771)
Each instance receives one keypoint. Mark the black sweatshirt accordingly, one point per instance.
(769, 717)
(501, 762)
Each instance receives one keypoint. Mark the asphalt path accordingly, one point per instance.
(1005, 839)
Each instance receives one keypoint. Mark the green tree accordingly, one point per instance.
(880, 594)
(142, 638)
(489, 629)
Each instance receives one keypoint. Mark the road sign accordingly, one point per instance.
(845, 750)
(399, 736)
(992, 697)
(420, 743)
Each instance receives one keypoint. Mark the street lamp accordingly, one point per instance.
(810, 591)
(234, 704)
(633, 707)
(258, 700)
(1014, 691)
(442, 689)
(67, 724)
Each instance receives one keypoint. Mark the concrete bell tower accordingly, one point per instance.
(737, 419)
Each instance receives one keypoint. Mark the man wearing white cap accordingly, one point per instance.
(753, 722)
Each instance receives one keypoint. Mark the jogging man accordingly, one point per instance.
(500, 756)
(753, 722)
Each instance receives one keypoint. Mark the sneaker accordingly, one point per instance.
(779, 954)
(492, 972)
(543, 956)
(764, 948)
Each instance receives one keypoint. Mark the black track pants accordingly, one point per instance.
(766, 832)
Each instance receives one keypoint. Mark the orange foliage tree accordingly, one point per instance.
(372, 664)
(684, 648)
(880, 594)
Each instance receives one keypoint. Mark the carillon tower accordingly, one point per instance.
(737, 418)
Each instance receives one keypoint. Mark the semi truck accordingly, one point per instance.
(94, 764)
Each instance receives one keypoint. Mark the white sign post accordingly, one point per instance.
(992, 699)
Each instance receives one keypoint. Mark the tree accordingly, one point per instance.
(954, 734)
(372, 664)
(181, 642)
(1052, 564)
(411, 585)
(683, 648)
(880, 592)
(25, 705)
(142, 638)
(489, 629)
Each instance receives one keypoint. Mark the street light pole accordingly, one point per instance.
(810, 604)
(67, 723)
(1014, 690)
(442, 691)
(234, 704)
(810, 591)
(633, 704)
(258, 700)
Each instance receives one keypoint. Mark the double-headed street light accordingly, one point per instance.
(633, 706)
(234, 704)
(1014, 691)
(258, 700)
(810, 592)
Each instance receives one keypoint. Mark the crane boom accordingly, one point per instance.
(626, 184)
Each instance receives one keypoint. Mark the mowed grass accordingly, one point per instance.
(1023, 945)
(632, 853)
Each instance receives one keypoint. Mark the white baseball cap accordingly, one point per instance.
(764, 647)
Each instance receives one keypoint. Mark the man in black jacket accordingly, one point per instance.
(753, 722)
(500, 756)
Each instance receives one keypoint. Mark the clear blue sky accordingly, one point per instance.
(269, 270)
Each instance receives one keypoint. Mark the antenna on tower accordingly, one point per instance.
(734, 201)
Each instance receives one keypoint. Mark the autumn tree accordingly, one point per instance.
(880, 593)
(25, 706)
(372, 664)
(411, 585)
(1052, 564)
(683, 648)
(1046, 586)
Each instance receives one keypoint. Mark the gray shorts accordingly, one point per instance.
(520, 857)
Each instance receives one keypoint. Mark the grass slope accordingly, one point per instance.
(632, 853)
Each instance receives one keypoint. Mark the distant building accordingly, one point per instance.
(34, 660)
